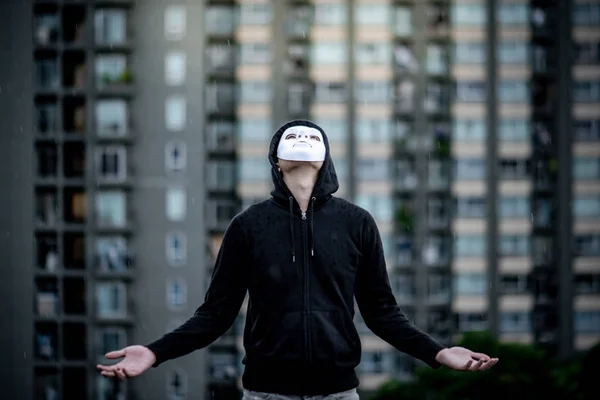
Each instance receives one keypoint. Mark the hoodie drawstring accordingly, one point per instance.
(292, 229)
(312, 227)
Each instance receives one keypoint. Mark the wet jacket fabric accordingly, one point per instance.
(303, 273)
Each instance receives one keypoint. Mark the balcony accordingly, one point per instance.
(74, 117)
(404, 217)
(46, 342)
(47, 304)
(74, 161)
(47, 212)
(74, 251)
(220, 213)
(46, 28)
(298, 61)
(111, 211)
(112, 304)
(220, 136)
(437, 251)
(113, 74)
(220, 99)
(299, 22)
(48, 78)
(220, 60)
(112, 119)
(299, 99)
(404, 254)
(74, 24)
(223, 367)
(74, 70)
(47, 259)
(75, 206)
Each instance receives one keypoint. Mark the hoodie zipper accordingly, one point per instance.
(306, 310)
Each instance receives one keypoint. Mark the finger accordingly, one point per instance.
(480, 356)
(108, 374)
(120, 374)
(486, 365)
(115, 354)
(477, 365)
(467, 365)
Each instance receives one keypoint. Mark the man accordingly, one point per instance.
(304, 256)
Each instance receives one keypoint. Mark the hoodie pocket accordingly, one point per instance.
(333, 342)
(280, 340)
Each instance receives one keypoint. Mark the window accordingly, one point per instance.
(220, 135)
(220, 213)
(255, 91)
(438, 287)
(111, 118)
(514, 245)
(46, 28)
(436, 98)
(404, 59)
(111, 208)
(469, 130)
(469, 168)
(375, 92)
(175, 113)
(403, 286)
(373, 169)
(335, 129)
(587, 245)
(330, 92)
(330, 13)
(177, 385)
(515, 322)
(404, 95)
(513, 169)
(586, 14)
(110, 26)
(379, 206)
(469, 53)
(403, 24)
(371, 130)
(464, 15)
(255, 53)
(513, 91)
(111, 163)
(513, 52)
(514, 284)
(253, 169)
(176, 248)
(587, 53)
(471, 322)
(586, 168)
(514, 130)
(587, 284)
(175, 204)
(373, 53)
(470, 207)
(587, 321)
(587, 130)
(175, 68)
(109, 389)
(47, 118)
(514, 207)
(585, 92)
(255, 13)
(439, 174)
(436, 250)
(328, 53)
(470, 92)
(586, 206)
(111, 68)
(470, 284)
(470, 245)
(220, 58)
(254, 130)
(436, 59)
(513, 14)
(176, 294)
(376, 362)
(111, 300)
(175, 156)
(219, 20)
(376, 14)
(110, 339)
(112, 254)
(175, 22)
(221, 175)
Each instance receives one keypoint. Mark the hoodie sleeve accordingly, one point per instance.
(378, 306)
(221, 306)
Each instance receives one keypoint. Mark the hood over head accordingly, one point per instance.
(327, 182)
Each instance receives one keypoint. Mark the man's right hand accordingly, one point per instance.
(136, 360)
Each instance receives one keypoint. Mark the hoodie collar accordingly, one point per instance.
(327, 182)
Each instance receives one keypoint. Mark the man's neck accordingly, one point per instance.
(301, 183)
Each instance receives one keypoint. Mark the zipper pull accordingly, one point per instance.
(303, 215)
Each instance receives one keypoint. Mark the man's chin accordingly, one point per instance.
(289, 165)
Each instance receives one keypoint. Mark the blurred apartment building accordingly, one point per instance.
(469, 128)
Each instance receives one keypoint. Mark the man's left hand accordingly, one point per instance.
(462, 359)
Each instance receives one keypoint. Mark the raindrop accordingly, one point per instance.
(0, 89)
(25, 355)
(21, 128)
(531, 217)
(303, 34)
(193, 201)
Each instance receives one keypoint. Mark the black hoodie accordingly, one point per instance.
(303, 273)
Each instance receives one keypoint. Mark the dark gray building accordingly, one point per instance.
(132, 131)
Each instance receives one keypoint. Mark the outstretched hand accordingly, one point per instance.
(136, 360)
(462, 359)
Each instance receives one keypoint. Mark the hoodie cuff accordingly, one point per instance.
(159, 354)
(429, 353)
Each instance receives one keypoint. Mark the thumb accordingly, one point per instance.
(115, 354)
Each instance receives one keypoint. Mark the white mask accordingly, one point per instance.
(301, 143)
